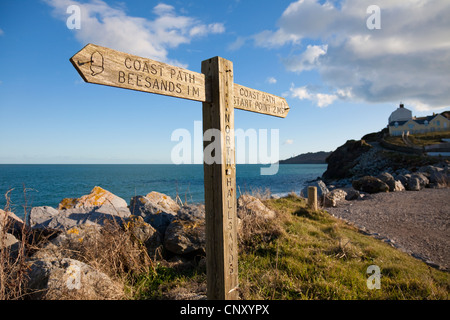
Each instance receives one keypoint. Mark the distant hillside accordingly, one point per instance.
(310, 157)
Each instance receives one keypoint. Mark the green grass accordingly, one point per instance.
(397, 140)
(429, 138)
(320, 257)
(304, 254)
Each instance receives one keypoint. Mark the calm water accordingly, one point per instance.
(49, 184)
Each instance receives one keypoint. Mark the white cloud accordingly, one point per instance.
(109, 26)
(271, 80)
(202, 29)
(320, 99)
(289, 141)
(308, 60)
(407, 59)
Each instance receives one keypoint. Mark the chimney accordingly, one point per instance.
(402, 105)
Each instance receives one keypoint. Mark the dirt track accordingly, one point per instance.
(417, 221)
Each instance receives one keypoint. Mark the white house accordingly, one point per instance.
(401, 114)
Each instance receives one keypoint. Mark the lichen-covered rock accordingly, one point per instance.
(94, 209)
(163, 200)
(96, 198)
(155, 208)
(331, 199)
(64, 278)
(48, 217)
(249, 205)
(144, 233)
(186, 234)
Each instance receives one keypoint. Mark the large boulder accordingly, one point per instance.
(12, 223)
(186, 234)
(321, 188)
(96, 198)
(332, 198)
(157, 209)
(144, 233)
(387, 178)
(50, 218)
(415, 181)
(352, 194)
(370, 184)
(249, 205)
(95, 209)
(439, 179)
(64, 278)
(398, 186)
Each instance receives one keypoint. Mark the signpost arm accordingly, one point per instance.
(220, 182)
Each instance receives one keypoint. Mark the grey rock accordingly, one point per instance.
(12, 222)
(388, 179)
(398, 186)
(352, 194)
(413, 184)
(9, 243)
(321, 188)
(157, 209)
(186, 236)
(249, 205)
(192, 212)
(144, 233)
(439, 179)
(332, 198)
(65, 278)
(48, 217)
(404, 178)
(40, 217)
(417, 181)
(430, 169)
(370, 184)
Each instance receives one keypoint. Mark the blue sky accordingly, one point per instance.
(340, 78)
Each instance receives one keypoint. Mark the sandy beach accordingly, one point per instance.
(414, 221)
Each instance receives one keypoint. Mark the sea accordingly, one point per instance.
(28, 185)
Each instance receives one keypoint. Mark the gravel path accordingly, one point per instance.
(418, 222)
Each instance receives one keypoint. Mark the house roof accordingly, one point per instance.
(421, 120)
(446, 114)
(400, 123)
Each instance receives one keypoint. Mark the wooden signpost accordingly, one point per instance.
(214, 87)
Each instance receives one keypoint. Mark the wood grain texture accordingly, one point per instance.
(220, 183)
(258, 101)
(109, 67)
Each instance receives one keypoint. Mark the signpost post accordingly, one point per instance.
(214, 87)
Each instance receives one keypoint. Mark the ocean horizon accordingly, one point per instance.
(36, 185)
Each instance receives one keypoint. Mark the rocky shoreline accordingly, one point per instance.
(152, 227)
(401, 199)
